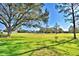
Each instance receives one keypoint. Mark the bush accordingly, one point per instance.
(22, 31)
(2, 35)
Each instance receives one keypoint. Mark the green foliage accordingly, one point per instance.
(14, 15)
(69, 10)
(23, 31)
(71, 29)
(66, 8)
(57, 29)
(45, 30)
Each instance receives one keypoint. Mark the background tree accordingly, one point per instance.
(42, 30)
(56, 28)
(13, 15)
(46, 21)
(45, 30)
(70, 11)
(71, 29)
(60, 30)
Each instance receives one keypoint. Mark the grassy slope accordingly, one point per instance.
(23, 42)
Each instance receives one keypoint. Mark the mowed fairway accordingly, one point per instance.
(33, 44)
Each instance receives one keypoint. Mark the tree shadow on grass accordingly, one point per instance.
(47, 47)
(59, 51)
(36, 49)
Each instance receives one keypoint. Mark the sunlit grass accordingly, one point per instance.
(22, 42)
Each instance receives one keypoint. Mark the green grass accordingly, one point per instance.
(32, 44)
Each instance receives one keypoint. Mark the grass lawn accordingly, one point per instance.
(32, 44)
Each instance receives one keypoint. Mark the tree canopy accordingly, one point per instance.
(13, 15)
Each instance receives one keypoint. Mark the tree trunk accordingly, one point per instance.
(73, 17)
(9, 31)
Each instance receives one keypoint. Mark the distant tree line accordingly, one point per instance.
(56, 29)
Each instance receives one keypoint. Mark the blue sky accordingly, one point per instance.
(54, 17)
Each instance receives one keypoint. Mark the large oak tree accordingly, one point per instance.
(13, 15)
